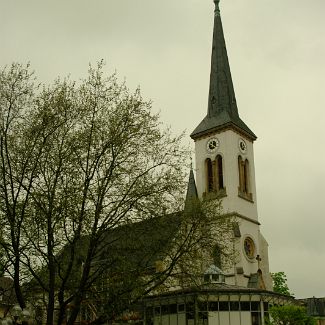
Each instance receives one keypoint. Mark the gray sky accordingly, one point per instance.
(276, 51)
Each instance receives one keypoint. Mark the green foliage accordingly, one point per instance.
(82, 162)
(290, 315)
(2, 266)
(280, 283)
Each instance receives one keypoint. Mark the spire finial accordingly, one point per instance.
(217, 10)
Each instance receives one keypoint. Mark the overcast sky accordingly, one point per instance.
(277, 56)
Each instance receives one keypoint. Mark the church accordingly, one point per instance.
(241, 293)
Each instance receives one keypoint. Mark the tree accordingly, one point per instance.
(87, 174)
(290, 315)
(280, 283)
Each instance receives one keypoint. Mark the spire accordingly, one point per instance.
(222, 106)
(191, 193)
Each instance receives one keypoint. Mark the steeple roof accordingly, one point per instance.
(222, 106)
(191, 194)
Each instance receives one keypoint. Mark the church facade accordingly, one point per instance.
(240, 293)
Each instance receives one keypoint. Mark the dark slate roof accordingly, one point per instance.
(191, 194)
(218, 288)
(213, 269)
(222, 105)
(138, 246)
(256, 280)
(133, 248)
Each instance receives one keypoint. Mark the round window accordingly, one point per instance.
(249, 247)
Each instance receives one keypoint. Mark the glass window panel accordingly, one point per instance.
(234, 305)
(245, 306)
(213, 306)
(266, 306)
(202, 305)
(255, 305)
(223, 305)
(256, 318)
(165, 309)
(181, 308)
(173, 309)
(190, 306)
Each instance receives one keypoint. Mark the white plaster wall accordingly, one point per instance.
(173, 319)
(250, 266)
(230, 318)
(248, 229)
(181, 320)
(229, 150)
(265, 263)
(232, 203)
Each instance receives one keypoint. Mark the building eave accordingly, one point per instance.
(199, 134)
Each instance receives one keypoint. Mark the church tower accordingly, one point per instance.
(225, 168)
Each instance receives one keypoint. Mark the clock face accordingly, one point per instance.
(249, 247)
(212, 145)
(242, 145)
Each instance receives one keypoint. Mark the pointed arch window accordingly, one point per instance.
(220, 173)
(214, 174)
(244, 178)
(209, 174)
(241, 173)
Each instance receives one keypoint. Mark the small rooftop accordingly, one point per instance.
(213, 269)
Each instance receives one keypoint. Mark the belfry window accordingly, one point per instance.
(241, 174)
(246, 176)
(214, 174)
(209, 175)
(220, 173)
(244, 182)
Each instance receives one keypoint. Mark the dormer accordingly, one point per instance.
(213, 275)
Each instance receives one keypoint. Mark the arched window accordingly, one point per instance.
(246, 177)
(244, 182)
(214, 174)
(220, 173)
(241, 173)
(209, 174)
